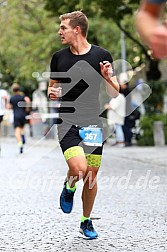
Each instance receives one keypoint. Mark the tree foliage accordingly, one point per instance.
(28, 34)
(27, 40)
(121, 13)
(108, 9)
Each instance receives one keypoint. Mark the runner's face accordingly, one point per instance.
(66, 32)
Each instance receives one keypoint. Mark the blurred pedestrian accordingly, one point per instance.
(116, 115)
(127, 127)
(3, 104)
(80, 134)
(40, 108)
(150, 27)
(20, 111)
(54, 108)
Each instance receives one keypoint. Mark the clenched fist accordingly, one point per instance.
(54, 93)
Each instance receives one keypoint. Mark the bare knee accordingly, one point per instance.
(90, 179)
(76, 171)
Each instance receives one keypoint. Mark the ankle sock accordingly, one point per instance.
(23, 139)
(83, 218)
(20, 144)
(72, 189)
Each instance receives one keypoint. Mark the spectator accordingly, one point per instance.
(3, 104)
(127, 127)
(116, 114)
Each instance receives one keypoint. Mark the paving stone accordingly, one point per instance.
(129, 213)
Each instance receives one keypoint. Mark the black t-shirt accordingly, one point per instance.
(19, 112)
(82, 92)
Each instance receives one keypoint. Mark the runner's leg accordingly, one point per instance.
(89, 190)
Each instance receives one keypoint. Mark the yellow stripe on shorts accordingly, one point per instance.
(93, 160)
(74, 152)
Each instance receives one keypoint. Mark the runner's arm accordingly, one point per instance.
(112, 84)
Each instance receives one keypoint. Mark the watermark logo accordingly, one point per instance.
(79, 73)
(27, 180)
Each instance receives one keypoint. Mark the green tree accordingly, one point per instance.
(27, 41)
(121, 13)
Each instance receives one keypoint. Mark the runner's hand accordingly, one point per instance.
(54, 93)
(106, 70)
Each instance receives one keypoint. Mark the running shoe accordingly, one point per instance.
(21, 150)
(66, 199)
(87, 229)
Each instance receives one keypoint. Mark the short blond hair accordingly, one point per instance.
(77, 18)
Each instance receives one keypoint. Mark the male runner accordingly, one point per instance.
(80, 133)
(19, 114)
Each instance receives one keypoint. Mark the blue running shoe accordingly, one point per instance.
(66, 199)
(87, 229)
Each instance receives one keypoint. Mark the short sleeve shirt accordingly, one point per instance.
(82, 92)
(19, 112)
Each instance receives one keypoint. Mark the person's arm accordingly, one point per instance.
(107, 106)
(27, 101)
(5, 101)
(147, 18)
(9, 104)
(111, 81)
(150, 28)
(54, 91)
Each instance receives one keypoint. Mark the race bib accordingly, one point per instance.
(91, 136)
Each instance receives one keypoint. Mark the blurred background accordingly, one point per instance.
(28, 38)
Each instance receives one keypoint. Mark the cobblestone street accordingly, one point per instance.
(130, 212)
